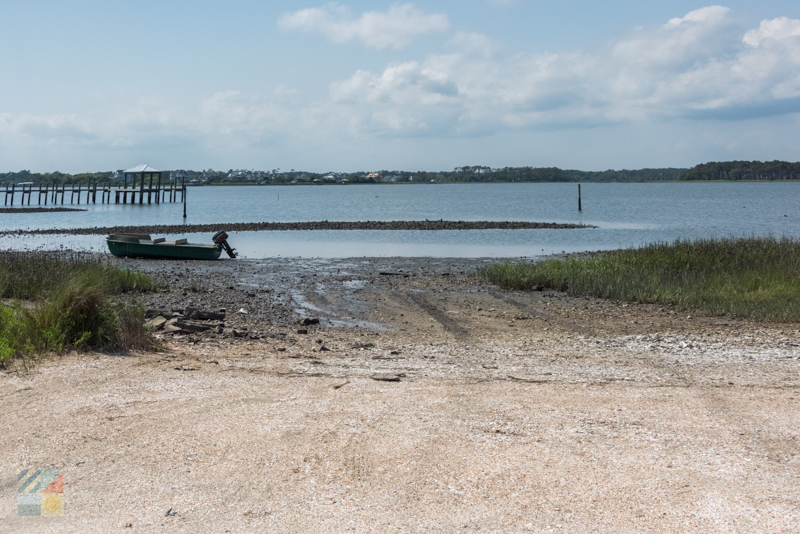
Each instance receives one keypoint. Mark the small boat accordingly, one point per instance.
(143, 246)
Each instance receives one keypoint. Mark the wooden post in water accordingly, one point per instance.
(141, 190)
(579, 197)
(184, 198)
(158, 190)
(13, 186)
(150, 190)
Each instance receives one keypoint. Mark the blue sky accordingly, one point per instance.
(97, 85)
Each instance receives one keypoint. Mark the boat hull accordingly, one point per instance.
(137, 249)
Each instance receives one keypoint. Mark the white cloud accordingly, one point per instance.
(394, 28)
(46, 127)
(702, 65)
(703, 15)
(780, 28)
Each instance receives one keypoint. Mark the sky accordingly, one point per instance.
(92, 85)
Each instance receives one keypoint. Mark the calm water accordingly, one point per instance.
(626, 214)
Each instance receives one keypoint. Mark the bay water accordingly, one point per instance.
(626, 214)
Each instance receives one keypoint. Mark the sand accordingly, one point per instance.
(511, 412)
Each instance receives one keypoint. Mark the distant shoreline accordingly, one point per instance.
(37, 210)
(303, 226)
(217, 184)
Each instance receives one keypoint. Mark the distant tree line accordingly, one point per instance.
(554, 174)
(744, 170)
(57, 178)
(730, 170)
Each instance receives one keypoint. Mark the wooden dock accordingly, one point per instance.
(126, 194)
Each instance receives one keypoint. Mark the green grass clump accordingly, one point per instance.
(756, 278)
(62, 302)
(29, 275)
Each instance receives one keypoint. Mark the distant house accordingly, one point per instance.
(179, 176)
(374, 175)
(210, 176)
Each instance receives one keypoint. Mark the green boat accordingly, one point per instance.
(143, 246)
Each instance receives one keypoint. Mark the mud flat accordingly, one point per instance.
(38, 210)
(423, 400)
(311, 225)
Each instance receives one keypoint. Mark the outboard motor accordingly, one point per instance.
(221, 238)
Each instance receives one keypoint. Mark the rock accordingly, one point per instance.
(239, 333)
(194, 326)
(387, 377)
(310, 320)
(155, 312)
(190, 312)
(210, 316)
(302, 331)
(171, 329)
(156, 323)
(220, 329)
(323, 348)
(242, 311)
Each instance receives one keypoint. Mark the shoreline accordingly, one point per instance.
(300, 226)
(37, 210)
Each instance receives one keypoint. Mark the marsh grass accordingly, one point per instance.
(31, 275)
(756, 278)
(61, 301)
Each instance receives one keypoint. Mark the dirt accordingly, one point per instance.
(425, 400)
